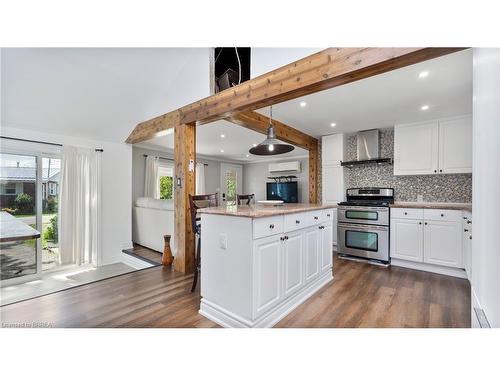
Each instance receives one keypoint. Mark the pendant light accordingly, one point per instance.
(271, 146)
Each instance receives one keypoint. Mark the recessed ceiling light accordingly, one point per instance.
(254, 145)
(303, 104)
(424, 107)
(223, 136)
(423, 74)
(221, 150)
(248, 156)
(333, 124)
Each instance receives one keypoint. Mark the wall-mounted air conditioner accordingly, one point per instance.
(292, 166)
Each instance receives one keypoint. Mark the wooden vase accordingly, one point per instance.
(167, 259)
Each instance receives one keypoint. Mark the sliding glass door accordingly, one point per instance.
(19, 255)
(29, 195)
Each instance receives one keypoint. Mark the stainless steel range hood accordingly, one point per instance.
(368, 150)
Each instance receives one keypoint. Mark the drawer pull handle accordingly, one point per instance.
(469, 222)
(419, 223)
(297, 221)
(271, 226)
(442, 215)
(406, 213)
(435, 171)
(466, 230)
(327, 215)
(286, 237)
(470, 237)
(425, 223)
(315, 218)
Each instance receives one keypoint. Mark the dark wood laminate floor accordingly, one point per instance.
(145, 253)
(361, 295)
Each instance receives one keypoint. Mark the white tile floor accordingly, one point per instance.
(60, 280)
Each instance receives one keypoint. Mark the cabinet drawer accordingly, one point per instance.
(297, 221)
(407, 213)
(443, 215)
(267, 226)
(326, 215)
(315, 217)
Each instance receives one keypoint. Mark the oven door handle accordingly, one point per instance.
(361, 226)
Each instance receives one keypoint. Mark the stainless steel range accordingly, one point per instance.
(363, 224)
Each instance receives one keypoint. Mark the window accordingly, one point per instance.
(166, 180)
(9, 188)
(52, 188)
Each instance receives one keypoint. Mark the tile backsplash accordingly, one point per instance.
(433, 188)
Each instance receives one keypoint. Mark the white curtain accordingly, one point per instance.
(79, 201)
(200, 178)
(151, 185)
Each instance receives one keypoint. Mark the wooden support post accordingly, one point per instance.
(313, 174)
(184, 159)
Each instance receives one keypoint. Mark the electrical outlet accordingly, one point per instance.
(223, 241)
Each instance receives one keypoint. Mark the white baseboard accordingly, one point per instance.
(134, 262)
(227, 319)
(448, 271)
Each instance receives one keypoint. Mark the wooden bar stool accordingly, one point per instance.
(245, 199)
(195, 203)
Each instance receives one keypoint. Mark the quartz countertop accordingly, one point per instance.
(260, 210)
(434, 205)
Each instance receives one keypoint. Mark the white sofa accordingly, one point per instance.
(152, 219)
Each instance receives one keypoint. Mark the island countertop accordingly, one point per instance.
(260, 210)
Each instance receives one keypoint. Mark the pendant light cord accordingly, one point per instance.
(239, 65)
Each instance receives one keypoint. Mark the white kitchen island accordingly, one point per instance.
(258, 263)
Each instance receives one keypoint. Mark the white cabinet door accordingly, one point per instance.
(312, 253)
(443, 243)
(334, 229)
(326, 247)
(416, 148)
(455, 145)
(267, 273)
(332, 149)
(407, 239)
(293, 259)
(333, 184)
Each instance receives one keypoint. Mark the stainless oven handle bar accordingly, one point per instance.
(362, 226)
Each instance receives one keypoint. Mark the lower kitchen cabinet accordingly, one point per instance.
(407, 240)
(416, 238)
(267, 262)
(312, 252)
(326, 258)
(293, 260)
(443, 243)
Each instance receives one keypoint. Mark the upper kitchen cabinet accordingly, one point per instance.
(455, 145)
(332, 149)
(416, 148)
(433, 147)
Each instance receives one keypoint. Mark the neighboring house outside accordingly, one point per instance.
(19, 180)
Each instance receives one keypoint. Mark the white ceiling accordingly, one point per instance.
(377, 102)
(386, 99)
(98, 93)
(236, 143)
(103, 93)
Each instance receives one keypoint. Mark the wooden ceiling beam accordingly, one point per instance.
(320, 71)
(259, 123)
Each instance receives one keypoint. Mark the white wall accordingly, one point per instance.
(255, 179)
(486, 179)
(116, 212)
(212, 170)
(263, 60)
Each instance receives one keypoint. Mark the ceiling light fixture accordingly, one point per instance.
(222, 150)
(423, 74)
(247, 156)
(223, 136)
(254, 145)
(424, 107)
(333, 124)
(303, 104)
(271, 146)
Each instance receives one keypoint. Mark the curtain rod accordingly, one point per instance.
(41, 142)
(161, 157)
